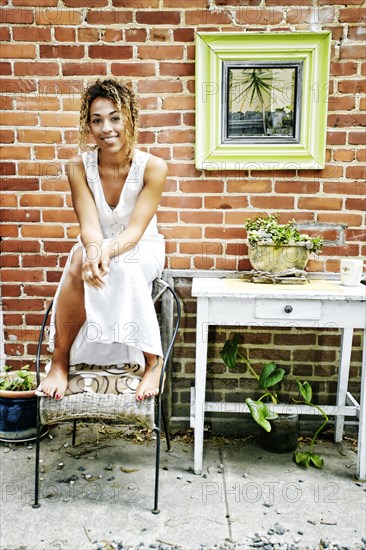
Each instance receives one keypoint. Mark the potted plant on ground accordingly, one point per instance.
(18, 404)
(275, 247)
(279, 432)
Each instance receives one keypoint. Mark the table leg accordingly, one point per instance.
(361, 467)
(200, 382)
(343, 376)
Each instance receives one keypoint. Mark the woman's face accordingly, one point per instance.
(107, 125)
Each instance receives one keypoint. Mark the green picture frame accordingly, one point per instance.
(217, 51)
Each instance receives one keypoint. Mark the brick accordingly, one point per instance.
(11, 215)
(203, 4)
(356, 204)
(65, 34)
(42, 200)
(5, 68)
(177, 69)
(341, 103)
(302, 15)
(17, 85)
(149, 104)
(336, 138)
(258, 16)
(60, 120)
(112, 35)
(348, 219)
(7, 168)
(8, 200)
(159, 86)
(85, 3)
(18, 119)
(347, 121)
(62, 216)
(352, 86)
(110, 52)
(19, 51)
(6, 102)
(158, 17)
(344, 155)
(159, 35)
(31, 34)
(20, 184)
(356, 172)
(72, 69)
(206, 17)
(36, 67)
(183, 35)
(357, 138)
(298, 187)
(272, 202)
(225, 202)
(109, 17)
(39, 136)
(28, 304)
(141, 4)
(320, 203)
(61, 52)
(176, 136)
(183, 153)
(205, 217)
(46, 152)
(38, 103)
(160, 52)
(179, 103)
(135, 35)
(89, 34)
(4, 34)
(14, 152)
(159, 119)
(352, 51)
(6, 136)
(58, 17)
(16, 16)
(133, 69)
(196, 186)
(181, 202)
(40, 3)
(357, 33)
(43, 231)
(352, 15)
(361, 155)
(248, 186)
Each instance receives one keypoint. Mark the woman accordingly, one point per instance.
(103, 312)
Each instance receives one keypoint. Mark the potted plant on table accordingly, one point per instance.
(279, 433)
(275, 247)
(18, 404)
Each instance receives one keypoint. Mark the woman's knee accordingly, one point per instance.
(76, 262)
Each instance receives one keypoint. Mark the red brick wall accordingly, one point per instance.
(49, 52)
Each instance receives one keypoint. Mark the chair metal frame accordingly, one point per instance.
(159, 413)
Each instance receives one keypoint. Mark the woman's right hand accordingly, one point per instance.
(94, 270)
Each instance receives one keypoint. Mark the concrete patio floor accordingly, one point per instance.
(99, 494)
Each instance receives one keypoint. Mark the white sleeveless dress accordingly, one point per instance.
(121, 321)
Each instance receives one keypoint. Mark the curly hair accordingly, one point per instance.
(122, 97)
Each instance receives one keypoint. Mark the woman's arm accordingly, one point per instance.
(90, 230)
(146, 206)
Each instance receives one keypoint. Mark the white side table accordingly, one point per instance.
(319, 304)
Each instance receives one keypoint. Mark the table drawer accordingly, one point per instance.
(288, 309)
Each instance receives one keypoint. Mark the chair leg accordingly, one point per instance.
(165, 425)
(36, 503)
(73, 432)
(157, 430)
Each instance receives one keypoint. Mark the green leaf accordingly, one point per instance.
(229, 354)
(270, 375)
(305, 390)
(317, 460)
(261, 413)
(307, 458)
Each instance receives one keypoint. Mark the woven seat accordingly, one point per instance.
(107, 393)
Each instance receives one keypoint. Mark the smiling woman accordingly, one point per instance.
(103, 312)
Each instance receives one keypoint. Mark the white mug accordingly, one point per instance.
(351, 271)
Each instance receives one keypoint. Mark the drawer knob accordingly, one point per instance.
(288, 309)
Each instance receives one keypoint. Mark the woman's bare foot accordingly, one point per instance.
(55, 383)
(149, 384)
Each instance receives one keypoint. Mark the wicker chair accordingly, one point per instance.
(87, 398)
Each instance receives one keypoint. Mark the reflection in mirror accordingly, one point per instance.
(261, 101)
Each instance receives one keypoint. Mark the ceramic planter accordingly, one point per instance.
(18, 415)
(264, 256)
(283, 437)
